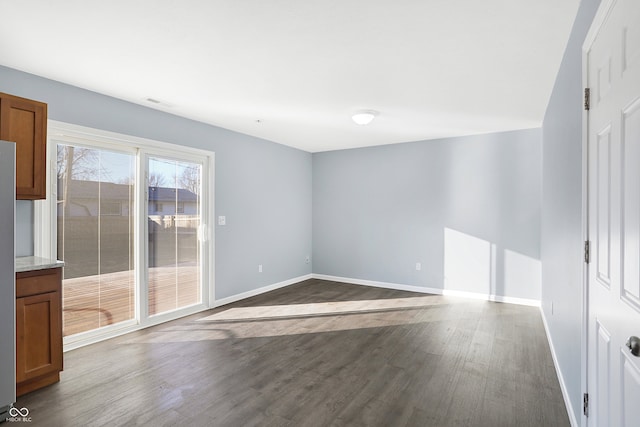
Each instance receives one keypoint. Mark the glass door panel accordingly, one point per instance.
(95, 236)
(173, 222)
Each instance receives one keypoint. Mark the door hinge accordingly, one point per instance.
(585, 404)
(587, 98)
(587, 251)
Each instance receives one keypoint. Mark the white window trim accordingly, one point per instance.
(45, 218)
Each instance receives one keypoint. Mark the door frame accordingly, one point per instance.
(600, 17)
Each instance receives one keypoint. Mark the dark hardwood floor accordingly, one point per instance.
(317, 353)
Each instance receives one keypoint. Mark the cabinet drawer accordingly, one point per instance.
(38, 282)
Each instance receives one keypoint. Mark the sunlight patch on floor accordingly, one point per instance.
(295, 319)
(320, 309)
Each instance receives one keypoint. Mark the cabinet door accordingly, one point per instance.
(24, 122)
(39, 336)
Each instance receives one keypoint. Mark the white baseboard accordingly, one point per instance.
(386, 285)
(425, 290)
(376, 284)
(563, 386)
(262, 290)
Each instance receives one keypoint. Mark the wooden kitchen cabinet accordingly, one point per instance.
(24, 122)
(38, 329)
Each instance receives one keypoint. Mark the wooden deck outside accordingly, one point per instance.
(96, 301)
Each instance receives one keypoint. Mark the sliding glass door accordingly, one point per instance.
(95, 209)
(130, 229)
(173, 222)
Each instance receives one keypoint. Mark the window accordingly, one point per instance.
(129, 219)
(155, 207)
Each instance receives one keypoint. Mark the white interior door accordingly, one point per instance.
(614, 217)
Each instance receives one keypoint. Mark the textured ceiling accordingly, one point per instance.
(294, 71)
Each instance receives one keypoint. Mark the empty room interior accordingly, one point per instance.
(320, 213)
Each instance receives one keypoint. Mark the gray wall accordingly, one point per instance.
(561, 208)
(467, 209)
(263, 188)
(24, 228)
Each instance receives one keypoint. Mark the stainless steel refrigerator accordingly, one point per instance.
(7, 278)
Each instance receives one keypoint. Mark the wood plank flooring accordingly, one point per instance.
(317, 353)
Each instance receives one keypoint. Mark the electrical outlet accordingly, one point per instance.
(307, 259)
(418, 266)
(222, 220)
(260, 268)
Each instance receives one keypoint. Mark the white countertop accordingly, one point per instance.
(30, 263)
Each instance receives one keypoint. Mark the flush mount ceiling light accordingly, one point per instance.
(364, 117)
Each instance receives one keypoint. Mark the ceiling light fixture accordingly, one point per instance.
(364, 117)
